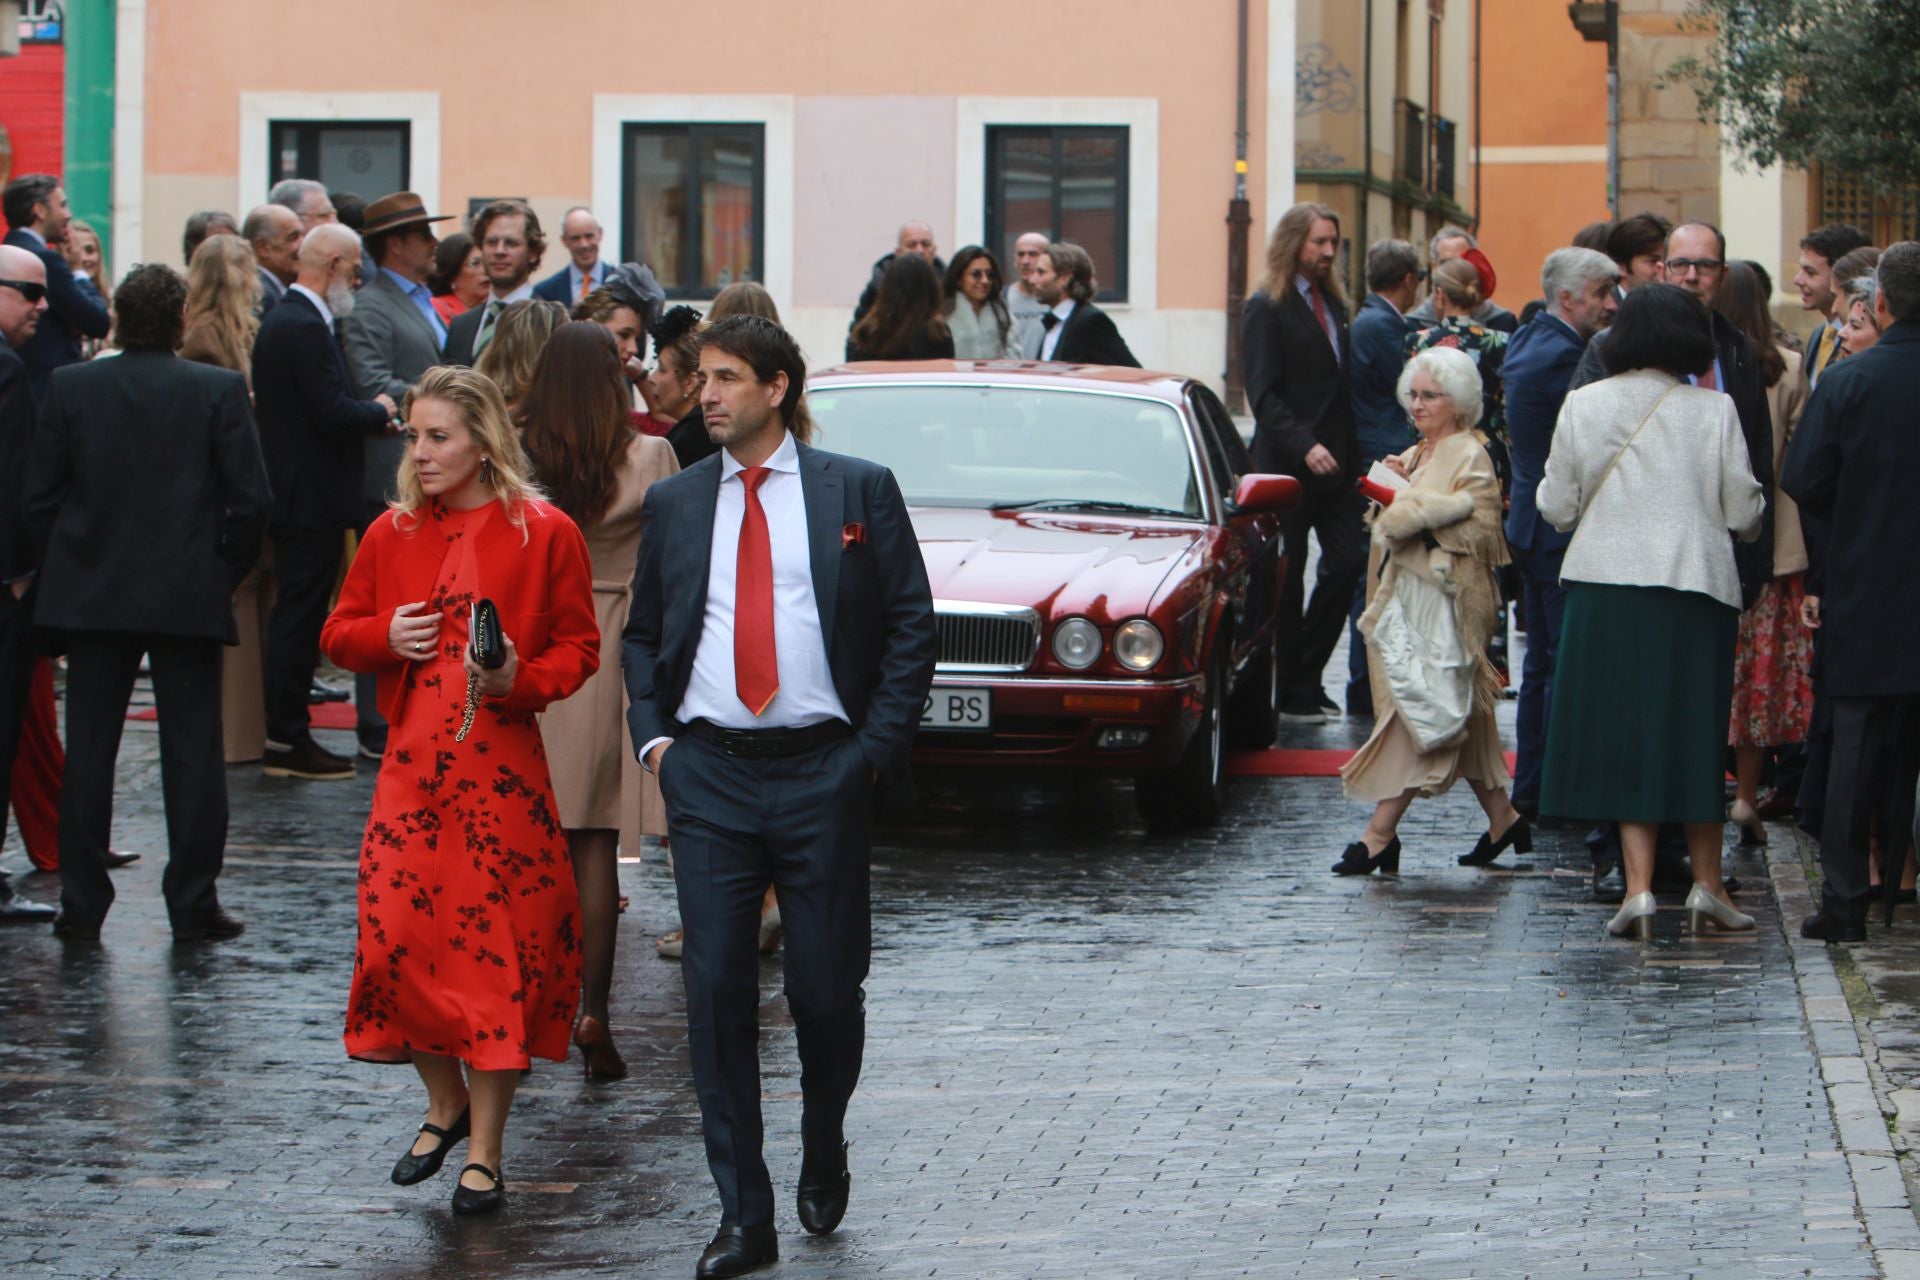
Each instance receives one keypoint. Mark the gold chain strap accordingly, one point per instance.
(473, 705)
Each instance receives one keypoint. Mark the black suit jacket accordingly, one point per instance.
(146, 497)
(71, 314)
(16, 436)
(1088, 336)
(1848, 467)
(461, 334)
(1299, 392)
(876, 609)
(1740, 368)
(312, 428)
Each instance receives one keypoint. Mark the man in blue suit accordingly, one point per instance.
(1540, 364)
(580, 231)
(1378, 346)
(777, 654)
(36, 211)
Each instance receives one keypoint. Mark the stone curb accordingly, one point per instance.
(1880, 1189)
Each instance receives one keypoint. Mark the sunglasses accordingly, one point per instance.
(31, 290)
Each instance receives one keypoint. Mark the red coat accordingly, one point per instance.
(543, 587)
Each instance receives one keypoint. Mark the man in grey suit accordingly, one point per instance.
(392, 336)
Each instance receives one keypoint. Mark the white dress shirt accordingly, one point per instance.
(598, 275)
(326, 312)
(806, 695)
(1063, 309)
(521, 294)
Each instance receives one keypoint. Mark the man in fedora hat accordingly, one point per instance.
(392, 336)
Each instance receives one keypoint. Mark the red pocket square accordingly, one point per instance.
(853, 535)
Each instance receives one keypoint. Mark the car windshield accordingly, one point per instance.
(1016, 447)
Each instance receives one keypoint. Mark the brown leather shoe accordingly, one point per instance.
(307, 760)
(595, 1042)
(218, 927)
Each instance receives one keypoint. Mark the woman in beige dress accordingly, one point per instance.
(1445, 527)
(576, 422)
(223, 289)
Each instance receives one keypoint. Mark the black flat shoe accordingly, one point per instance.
(411, 1168)
(1519, 838)
(734, 1251)
(1356, 861)
(822, 1199)
(218, 927)
(469, 1203)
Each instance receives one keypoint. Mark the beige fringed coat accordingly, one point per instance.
(1455, 496)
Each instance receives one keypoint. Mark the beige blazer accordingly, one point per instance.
(1786, 399)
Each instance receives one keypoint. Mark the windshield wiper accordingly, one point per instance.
(1087, 504)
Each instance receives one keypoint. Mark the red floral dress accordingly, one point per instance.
(1772, 669)
(469, 937)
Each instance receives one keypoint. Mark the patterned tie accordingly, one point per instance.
(756, 662)
(494, 307)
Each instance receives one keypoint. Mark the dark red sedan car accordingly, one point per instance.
(1105, 565)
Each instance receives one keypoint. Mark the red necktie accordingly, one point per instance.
(756, 663)
(1319, 309)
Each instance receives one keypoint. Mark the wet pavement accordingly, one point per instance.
(1092, 1053)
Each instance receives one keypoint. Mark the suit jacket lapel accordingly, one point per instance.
(397, 297)
(826, 505)
(696, 547)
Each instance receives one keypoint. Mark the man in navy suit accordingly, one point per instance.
(274, 232)
(36, 211)
(314, 434)
(779, 650)
(580, 231)
(1539, 368)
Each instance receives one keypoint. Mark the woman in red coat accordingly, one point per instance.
(469, 939)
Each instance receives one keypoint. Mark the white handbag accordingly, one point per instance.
(1427, 666)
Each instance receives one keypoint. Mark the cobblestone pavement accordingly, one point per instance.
(1092, 1053)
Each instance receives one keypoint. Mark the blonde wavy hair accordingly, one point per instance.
(519, 335)
(483, 411)
(223, 287)
(1283, 252)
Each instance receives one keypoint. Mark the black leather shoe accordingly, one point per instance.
(470, 1203)
(65, 927)
(734, 1251)
(16, 910)
(116, 859)
(1518, 837)
(822, 1198)
(1356, 861)
(411, 1168)
(1609, 885)
(1827, 925)
(218, 927)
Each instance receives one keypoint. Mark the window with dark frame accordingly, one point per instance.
(1069, 181)
(693, 204)
(371, 158)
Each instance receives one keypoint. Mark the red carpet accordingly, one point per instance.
(325, 715)
(1295, 764)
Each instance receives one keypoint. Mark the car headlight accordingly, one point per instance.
(1137, 644)
(1076, 643)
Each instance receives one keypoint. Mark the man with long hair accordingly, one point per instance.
(1294, 335)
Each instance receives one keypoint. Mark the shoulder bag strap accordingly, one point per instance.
(1608, 473)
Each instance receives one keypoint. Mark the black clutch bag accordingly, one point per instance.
(488, 645)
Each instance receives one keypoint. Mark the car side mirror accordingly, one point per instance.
(1259, 492)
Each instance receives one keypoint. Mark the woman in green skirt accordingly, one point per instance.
(1650, 471)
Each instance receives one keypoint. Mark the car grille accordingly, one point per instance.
(986, 637)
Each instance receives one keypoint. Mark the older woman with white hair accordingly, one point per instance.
(1432, 606)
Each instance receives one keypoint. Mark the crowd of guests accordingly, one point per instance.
(1644, 464)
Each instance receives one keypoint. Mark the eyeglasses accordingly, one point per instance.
(32, 290)
(1680, 266)
(1422, 274)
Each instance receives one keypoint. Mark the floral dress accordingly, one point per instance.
(469, 937)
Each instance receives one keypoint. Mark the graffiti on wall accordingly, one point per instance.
(1321, 82)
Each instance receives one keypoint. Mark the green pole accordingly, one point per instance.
(89, 160)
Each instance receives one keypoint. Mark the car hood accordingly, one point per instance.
(1056, 562)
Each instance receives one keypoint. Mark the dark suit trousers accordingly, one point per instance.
(803, 823)
(16, 685)
(101, 668)
(306, 562)
(1308, 637)
(1871, 772)
(1545, 601)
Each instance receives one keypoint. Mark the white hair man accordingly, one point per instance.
(1448, 243)
(308, 200)
(1023, 300)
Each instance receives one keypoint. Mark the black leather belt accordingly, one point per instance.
(768, 744)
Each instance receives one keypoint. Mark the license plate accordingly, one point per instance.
(958, 709)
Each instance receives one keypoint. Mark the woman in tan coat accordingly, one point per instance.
(1432, 608)
(577, 427)
(223, 289)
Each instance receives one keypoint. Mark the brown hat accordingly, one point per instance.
(401, 209)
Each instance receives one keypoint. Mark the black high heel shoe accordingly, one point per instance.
(468, 1202)
(1356, 861)
(413, 1168)
(1519, 838)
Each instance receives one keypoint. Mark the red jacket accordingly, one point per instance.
(544, 590)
